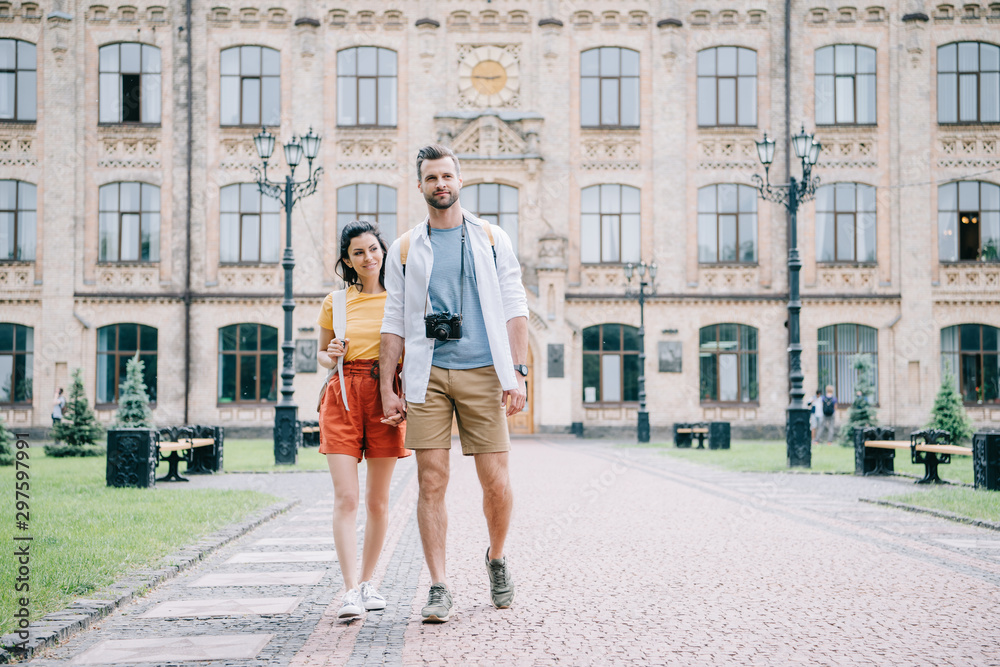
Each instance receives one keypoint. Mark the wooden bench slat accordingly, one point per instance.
(186, 443)
(945, 449)
(887, 444)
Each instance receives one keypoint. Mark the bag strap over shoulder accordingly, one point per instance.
(404, 245)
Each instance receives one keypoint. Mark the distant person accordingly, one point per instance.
(828, 420)
(816, 414)
(354, 426)
(58, 405)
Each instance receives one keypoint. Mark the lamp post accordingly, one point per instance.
(287, 434)
(790, 195)
(642, 427)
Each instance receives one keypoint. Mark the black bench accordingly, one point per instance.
(684, 432)
(310, 434)
(182, 442)
(874, 451)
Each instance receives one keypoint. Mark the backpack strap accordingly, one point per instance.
(404, 246)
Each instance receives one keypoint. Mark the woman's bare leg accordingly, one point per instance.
(377, 508)
(344, 472)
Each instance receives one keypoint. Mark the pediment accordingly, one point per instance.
(489, 136)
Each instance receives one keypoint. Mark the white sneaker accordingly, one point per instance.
(350, 606)
(371, 599)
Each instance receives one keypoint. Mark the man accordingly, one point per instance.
(479, 376)
(828, 420)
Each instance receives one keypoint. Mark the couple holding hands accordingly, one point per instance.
(430, 295)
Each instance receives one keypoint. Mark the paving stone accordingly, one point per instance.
(292, 541)
(222, 607)
(260, 579)
(283, 557)
(174, 649)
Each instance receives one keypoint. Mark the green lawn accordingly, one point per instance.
(258, 456)
(86, 535)
(770, 456)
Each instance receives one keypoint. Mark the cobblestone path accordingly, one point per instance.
(621, 555)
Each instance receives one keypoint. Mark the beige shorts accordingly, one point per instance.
(474, 396)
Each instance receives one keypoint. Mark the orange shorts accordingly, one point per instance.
(360, 431)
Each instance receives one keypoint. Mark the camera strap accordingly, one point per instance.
(461, 273)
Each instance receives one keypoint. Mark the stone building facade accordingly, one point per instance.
(599, 158)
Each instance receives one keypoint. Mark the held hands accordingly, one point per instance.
(514, 399)
(338, 347)
(394, 408)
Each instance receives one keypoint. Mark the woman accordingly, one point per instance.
(354, 427)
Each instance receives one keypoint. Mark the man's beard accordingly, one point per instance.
(441, 206)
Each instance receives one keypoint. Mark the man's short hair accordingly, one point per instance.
(436, 152)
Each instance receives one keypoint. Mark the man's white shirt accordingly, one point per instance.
(501, 296)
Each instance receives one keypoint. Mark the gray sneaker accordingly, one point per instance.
(438, 607)
(501, 583)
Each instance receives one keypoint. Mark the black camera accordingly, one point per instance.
(443, 326)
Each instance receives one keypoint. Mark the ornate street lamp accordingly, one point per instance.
(287, 433)
(642, 428)
(797, 437)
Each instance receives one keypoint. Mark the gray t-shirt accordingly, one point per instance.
(472, 350)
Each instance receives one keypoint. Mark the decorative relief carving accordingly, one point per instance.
(727, 153)
(848, 151)
(127, 277)
(17, 276)
(238, 155)
(974, 149)
(552, 252)
(841, 278)
(977, 278)
(16, 151)
(600, 278)
(246, 277)
(489, 136)
(129, 151)
(367, 151)
(617, 151)
(367, 20)
(728, 278)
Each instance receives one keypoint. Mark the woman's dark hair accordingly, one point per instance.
(351, 231)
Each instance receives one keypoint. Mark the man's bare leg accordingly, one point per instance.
(433, 467)
(498, 498)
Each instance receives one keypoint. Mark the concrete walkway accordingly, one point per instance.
(620, 556)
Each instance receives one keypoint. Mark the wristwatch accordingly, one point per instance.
(522, 369)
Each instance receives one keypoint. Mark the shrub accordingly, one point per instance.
(79, 428)
(133, 401)
(861, 413)
(6, 445)
(948, 413)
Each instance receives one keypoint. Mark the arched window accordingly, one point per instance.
(18, 80)
(970, 353)
(116, 344)
(18, 204)
(845, 85)
(129, 83)
(248, 364)
(969, 222)
(610, 364)
(129, 223)
(249, 225)
(968, 88)
(251, 86)
(609, 87)
(609, 224)
(727, 224)
(727, 86)
(839, 345)
(17, 369)
(494, 203)
(728, 363)
(367, 201)
(845, 223)
(366, 86)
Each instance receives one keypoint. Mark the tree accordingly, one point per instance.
(948, 413)
(79, 429)
(133, 401)
(862, 413)
(6, 445)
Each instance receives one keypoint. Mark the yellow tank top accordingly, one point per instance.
(364, 322)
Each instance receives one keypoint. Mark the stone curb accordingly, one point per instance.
(941, 514)
(79, 615)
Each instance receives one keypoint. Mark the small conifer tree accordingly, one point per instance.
(6, 445)
(948, 413)
(861, 413)
(133, 401)
(79, 428)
